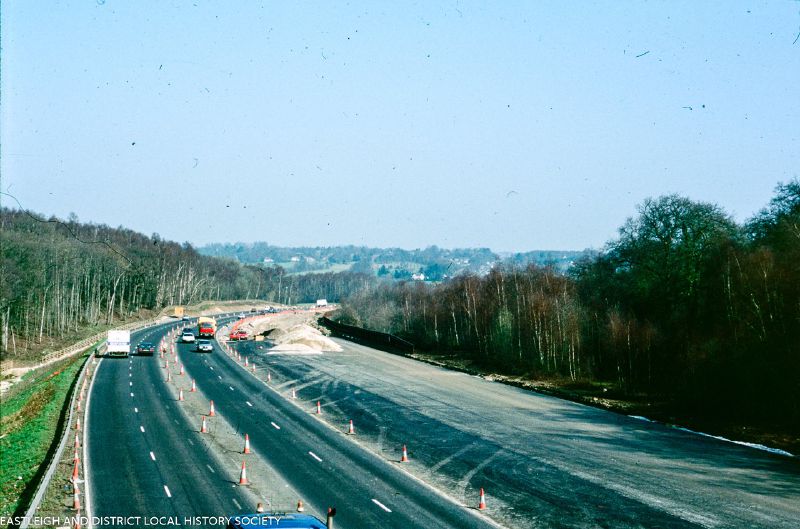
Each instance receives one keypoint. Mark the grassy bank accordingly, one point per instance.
(29, 422)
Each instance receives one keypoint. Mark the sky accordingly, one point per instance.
(509, 125)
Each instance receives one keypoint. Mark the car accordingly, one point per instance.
(264, 520)
(187, 336)
(204, 346)
(238, 334)
(145, 348)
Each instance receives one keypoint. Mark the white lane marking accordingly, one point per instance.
(275, 425)
(130, 375)
(190, 442)
(249, 403)
(166, 489)
(219, 377)
(230, 387)
(152, 456)
(315, 456)
(382, 506)
(141, 428)
(135, 410)
(211, 368)
(237, 504)
(211, 469)
(131, 394)
(130, 384)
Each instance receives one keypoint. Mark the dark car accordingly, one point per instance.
(145, 348)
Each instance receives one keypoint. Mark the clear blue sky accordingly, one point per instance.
(515, 126)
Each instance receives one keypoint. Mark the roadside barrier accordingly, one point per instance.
(379, 340)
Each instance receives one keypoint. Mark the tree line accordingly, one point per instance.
(60, 276)
(684, 305)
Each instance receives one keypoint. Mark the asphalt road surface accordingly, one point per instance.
(146, 458)
(544, 462)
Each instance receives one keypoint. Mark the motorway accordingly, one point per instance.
(544, 462)
(147, 458)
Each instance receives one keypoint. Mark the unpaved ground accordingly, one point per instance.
(289, 331)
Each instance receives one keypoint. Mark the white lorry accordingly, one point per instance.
(118, 343)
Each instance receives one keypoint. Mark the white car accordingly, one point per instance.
(204, 346)
(187, 337)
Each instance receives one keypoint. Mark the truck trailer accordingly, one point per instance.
(118, 343)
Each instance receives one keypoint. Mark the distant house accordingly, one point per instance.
(418, 277)
(294, 259)
(268, 260)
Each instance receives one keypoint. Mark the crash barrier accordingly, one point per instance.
(378, 340)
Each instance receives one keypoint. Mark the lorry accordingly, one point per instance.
(180, 312)
(206, 327)
(322, 302)
(118, 343)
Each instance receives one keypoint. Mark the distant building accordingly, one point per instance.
(418, 277)
(268, 260)
(295, 259)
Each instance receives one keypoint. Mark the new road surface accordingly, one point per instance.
(543, 462)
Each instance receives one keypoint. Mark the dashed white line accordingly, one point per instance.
(315, 456)
(211, 368)
(211, 469)
(135, 410)
(382, 506)
(141, 428)
(130, 384)
(275, 425)
(219, 377)
(152, 456)
(237, 503)
(131, 394)
(230, 388)
(190, 442)
(249, 403)
(169, 494)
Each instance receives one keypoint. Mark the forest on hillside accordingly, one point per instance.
(61, 276)
(685, 304)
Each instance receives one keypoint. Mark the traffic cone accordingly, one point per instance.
(78, 405)
(169, 376)
(404, 459)
(300, 507)
(319, 409)
(294, 393)
(78, 424)
(260, 507)
(180, 394)
(77, 442)
(246, 363)
(194, 387)
(76, 498)
(203, 426)
(351, 430)
(181, 369)
(212, 413)
(166, 364)
(269, 376)
(75, 469)
(254, 370)
(243, 476)
(482, 501)
(246, 444)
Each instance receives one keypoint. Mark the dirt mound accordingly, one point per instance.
(291, 333)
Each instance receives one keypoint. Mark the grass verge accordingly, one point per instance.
(30, 422)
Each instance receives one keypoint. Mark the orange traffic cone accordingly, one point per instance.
(300, 507)
(75, 469)
(180, 394)
(246, 444)
(404, 459)
(78, 405)
(243, 476)
(203, 426)
(294, 393)
(212, 412)
(482, 501)
(319, 409)
(194, 387)
(78, 423)
(246, 364)
(77, 442)
(169, 376)
(181, 373)
(269, 376)
(76, 497)
(352, 430)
